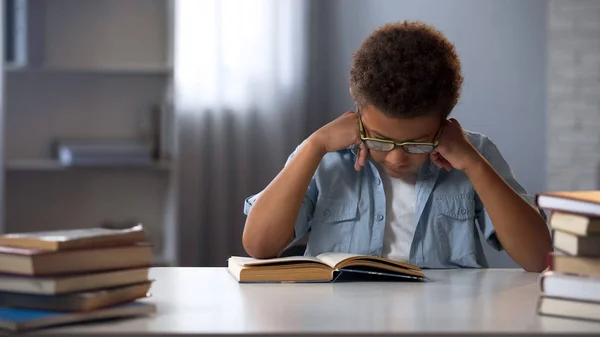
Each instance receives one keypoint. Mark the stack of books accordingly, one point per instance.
(59, 277)
(571, 285)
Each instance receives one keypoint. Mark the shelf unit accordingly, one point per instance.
(148, 70)
(87, 69)
(54, 165)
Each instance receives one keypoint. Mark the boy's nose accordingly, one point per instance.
(397, 157)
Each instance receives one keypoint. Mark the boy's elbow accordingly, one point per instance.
(255, 249)
(539, 264)
(536, 268)
(258, 246)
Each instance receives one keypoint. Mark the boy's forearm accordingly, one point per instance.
(519, 226)
(270, 223)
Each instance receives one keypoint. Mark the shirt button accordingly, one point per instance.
(377, 181)
(379, 217)
(463, 211)
(327, 213)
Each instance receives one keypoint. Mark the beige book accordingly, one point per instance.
(52, 285)
(74, 238)
(566, 308)
(565, 264)
(576, 245)
(577, 224)
(41, 262)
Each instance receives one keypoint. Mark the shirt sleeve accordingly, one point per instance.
(307, 208)
(492, 154)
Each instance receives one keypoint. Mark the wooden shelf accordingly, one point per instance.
(95, 70)
(55, 165)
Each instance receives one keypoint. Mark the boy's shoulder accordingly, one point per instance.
(488, 149)
(479, 140)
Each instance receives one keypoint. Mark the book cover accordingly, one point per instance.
(78, 301)
(25, 319)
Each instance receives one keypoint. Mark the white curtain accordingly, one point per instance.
(239, 95)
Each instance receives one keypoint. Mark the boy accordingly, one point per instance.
(396, 178)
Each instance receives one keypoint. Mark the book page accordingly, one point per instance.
(341, 260)
(333, 258)
(248, 261)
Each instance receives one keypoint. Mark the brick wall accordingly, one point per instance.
(573, 138)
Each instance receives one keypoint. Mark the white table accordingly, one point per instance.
(209, 301)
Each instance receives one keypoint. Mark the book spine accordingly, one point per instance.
(542, 280)
(537, 199)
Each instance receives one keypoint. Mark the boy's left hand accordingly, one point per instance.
(454, 149)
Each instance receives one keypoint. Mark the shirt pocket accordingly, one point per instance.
(455, 230)
(332, 225)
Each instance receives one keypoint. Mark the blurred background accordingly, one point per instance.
(172, 112)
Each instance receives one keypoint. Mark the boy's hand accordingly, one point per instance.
(454, 150)
(339, 134)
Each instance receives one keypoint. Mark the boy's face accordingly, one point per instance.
(397, 163)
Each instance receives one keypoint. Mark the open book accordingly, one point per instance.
(327, 267)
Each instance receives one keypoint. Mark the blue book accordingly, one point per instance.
(23, 319)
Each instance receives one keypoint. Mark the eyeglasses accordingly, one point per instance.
(388, 145)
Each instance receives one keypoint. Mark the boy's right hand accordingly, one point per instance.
(339, 134)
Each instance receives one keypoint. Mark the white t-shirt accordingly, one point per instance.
(400, 224)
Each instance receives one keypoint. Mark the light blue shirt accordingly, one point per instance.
(344, 210)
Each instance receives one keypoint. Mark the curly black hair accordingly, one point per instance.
(406, 69)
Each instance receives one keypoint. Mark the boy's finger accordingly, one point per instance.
(360, 162)
(364, 152)
(435, 160)
(441, 162)
(447, 164)
(356, 165)
(433, 157)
